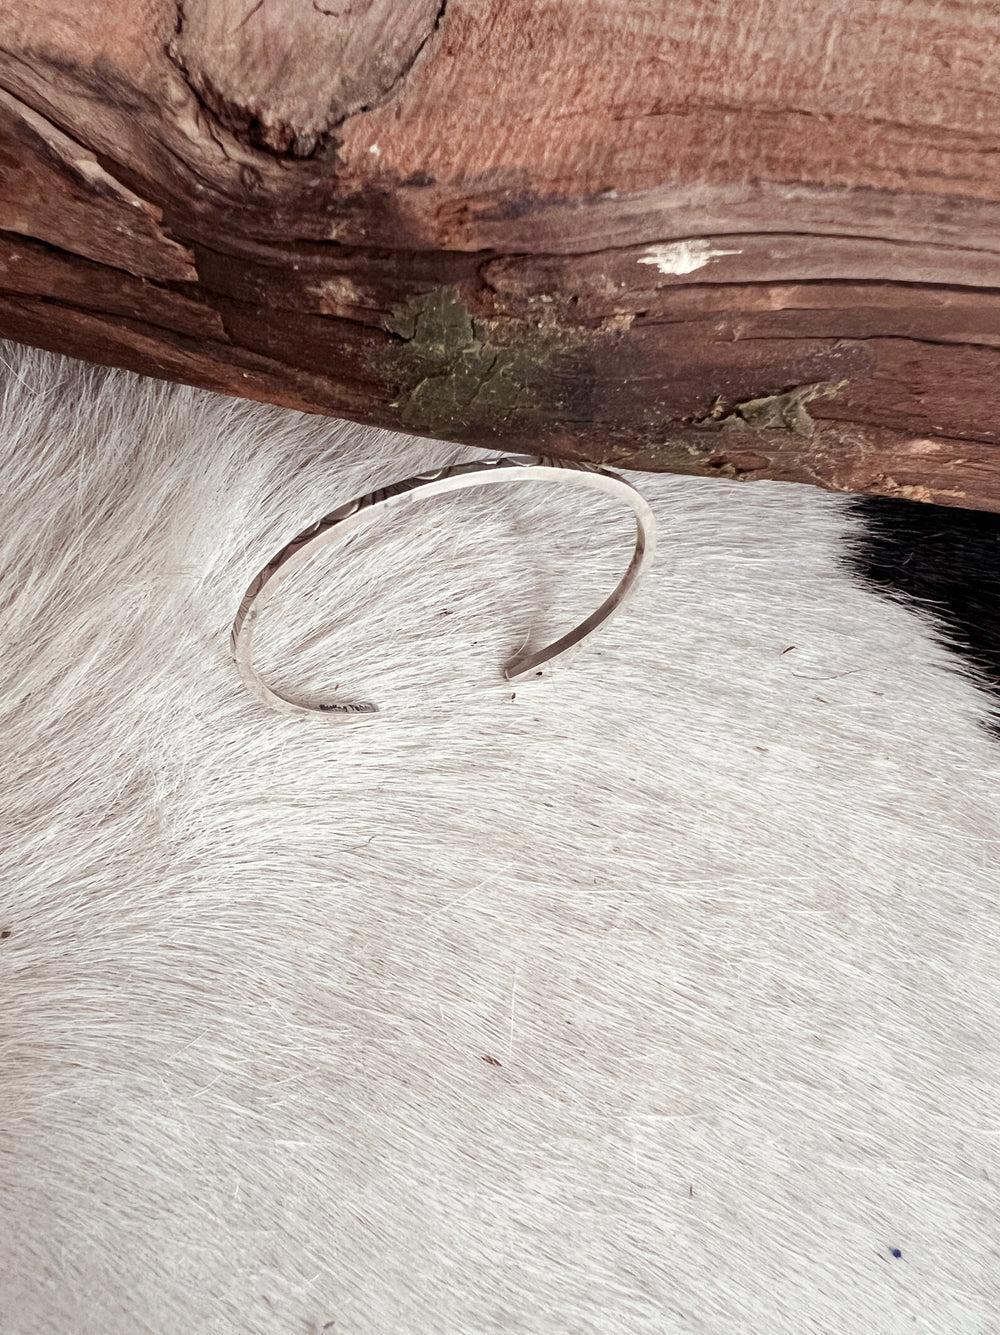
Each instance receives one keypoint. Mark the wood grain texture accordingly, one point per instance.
(284, 76)
(759, 240)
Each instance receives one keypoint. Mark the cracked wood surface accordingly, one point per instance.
(739, 239)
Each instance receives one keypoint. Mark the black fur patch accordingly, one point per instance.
(946, 561)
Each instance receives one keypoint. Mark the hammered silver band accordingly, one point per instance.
(338, 522)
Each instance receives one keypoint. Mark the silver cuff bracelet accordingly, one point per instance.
(350, 516)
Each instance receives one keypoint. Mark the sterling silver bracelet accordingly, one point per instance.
(350, 516)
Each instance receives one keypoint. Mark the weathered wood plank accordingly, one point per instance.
(739, 239)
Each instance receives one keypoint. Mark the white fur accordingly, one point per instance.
(726, 916)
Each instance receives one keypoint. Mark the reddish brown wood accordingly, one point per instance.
(724, 238)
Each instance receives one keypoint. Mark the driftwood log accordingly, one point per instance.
(711, 236)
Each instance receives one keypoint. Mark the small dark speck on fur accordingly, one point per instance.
(897, 1253)
(491, 1061)
(4, 934)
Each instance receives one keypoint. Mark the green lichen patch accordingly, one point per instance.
(463, 376)
(773, 412)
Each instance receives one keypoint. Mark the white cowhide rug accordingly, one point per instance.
(658, 994)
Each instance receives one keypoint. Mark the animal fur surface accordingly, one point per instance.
(658, 994)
